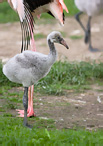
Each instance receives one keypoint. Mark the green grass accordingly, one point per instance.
(8, 15)
(75, 37)
(71, 7)
(63, 75)
(13, 133)
(39, 36)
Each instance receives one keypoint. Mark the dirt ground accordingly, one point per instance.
(74, 109)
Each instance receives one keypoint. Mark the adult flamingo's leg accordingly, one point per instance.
(30, 111)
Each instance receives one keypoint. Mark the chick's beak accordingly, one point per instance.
(63, 42)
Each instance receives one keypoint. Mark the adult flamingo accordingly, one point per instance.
(27, 9)
(91, 8)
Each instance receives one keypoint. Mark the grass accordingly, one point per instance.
(39, 36)
(12, 133)
(63, 76)
(75, 37)
(8, 15)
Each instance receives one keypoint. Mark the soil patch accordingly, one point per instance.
(74, 109)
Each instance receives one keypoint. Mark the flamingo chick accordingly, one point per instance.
(27, 10)
(28, 67)
(91, 8)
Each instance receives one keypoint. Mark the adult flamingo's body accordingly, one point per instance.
(27, 9)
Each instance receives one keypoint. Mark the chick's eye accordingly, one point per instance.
(58, 37)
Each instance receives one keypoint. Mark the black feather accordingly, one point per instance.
(27, 27)
(50, 13)
(34, 4)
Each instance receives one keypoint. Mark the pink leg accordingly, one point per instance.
(30, 110)
(31, 89)
(30, 102)
(21, 112)
(33, 46)
(29, 99)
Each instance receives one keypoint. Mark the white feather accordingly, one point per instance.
(14, 3)
(18, 6)
(29, 67)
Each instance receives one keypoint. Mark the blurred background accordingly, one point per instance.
(10, 34)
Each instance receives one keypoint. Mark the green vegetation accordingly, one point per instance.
(71, 7)
(8, 15)
(63, 76)
(75, 37)
(12, 133)
(39, 36)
